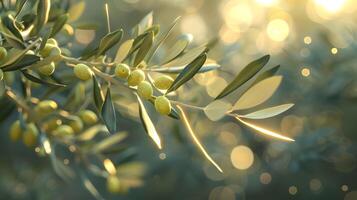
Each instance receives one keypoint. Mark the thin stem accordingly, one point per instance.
(186, 105)
(107, 15)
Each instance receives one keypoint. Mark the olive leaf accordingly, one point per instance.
(146, 22)
(108, 113)
(90, 187)
(188, 72)
(258, 93)
(109, 41)
(91, 132)
(97, 94)
(187, 56)
(61, 170)
(109, 142)
(25, 61)
(147, 123)
(40, 80)
(123, 51)
(247, 73)
(268, 112)
(8, 27)
(43, 10)
(144, 48)
(19, 5)
(15, 54)
(179, 46)
(160, 39)
(217, 109)
(177, 69)
(59, 23)
(266, 74)
(76, 10)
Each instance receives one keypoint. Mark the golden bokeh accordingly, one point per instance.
(265, 178)
(305, 72)
(293, 190)
(242, 157)
(307, 40)
(315, 185)
(278, 30)
(334, 50)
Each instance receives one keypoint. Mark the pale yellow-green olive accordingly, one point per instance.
(3, 53)
(15, 131)
(55, 51)
(52, 41)
(63, 130)
(162, 105)
(113, 184)
(163, 82)
(88, 117)
(45, 52)
(136, 77)
(47, 70)
(76, 124)
(122, 70)
(1, 75)
(51, 124)
(145, 90)
(46, 107)
(82, 72)
(29, 137)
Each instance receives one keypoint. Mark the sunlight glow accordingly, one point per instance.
(278, 30)
(195, 139)
(265, 131)
(242, 157)
(332, 6)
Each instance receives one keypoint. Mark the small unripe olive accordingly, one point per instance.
(68, 29)
(88, 117)
(55, 51)
(52, 41)
(15, 131)
(76, 124)
(3, 53)
(1, 75)
(113, 184)
(51, 124)
(136, 77)
(83, 72)
(122, 70)
(163, 82)
(63, 130)
(45, 52)
(47, 70)
(30, 135)
(162, 105)
(46, 107)
(30, 52)
(145, 90)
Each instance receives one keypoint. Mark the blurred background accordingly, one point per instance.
(314, 41)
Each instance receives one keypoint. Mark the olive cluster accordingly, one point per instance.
(51, 49)
(52, 125)
(135, 79)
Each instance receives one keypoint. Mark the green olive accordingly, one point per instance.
(47, 70)
(55, 51)
(122, 70)
(30, 135)
(63, 130)
(136, 77)
(52, 41)
(76, 124)
(113, 184)
(3, 53)
(15, 131)
(45, 52)
(88, 117)
(1, 75)
(51, 124)
(163, 82)
(83, 72)
(46, 107)
(145, 90)
(162, 105)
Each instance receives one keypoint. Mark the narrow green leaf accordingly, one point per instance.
(123, 51)
(108, 113)
(109, 41)
(144, 48)
(76, 10)
(148, 125)
(160, 39)
(217, 109)
(9, 27)
(109, 142)
(15, 54)
(268, 112)
(43, 10)
(40, 80)
(59, 23)
(97, 94)
(90, 187)
(187, 56)
(188, 72)
(177, 48)
(247, 73)
(91, 132)
(268, 73)
(258, 93)
(25, 61)
(146, 22)
(177, 69)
